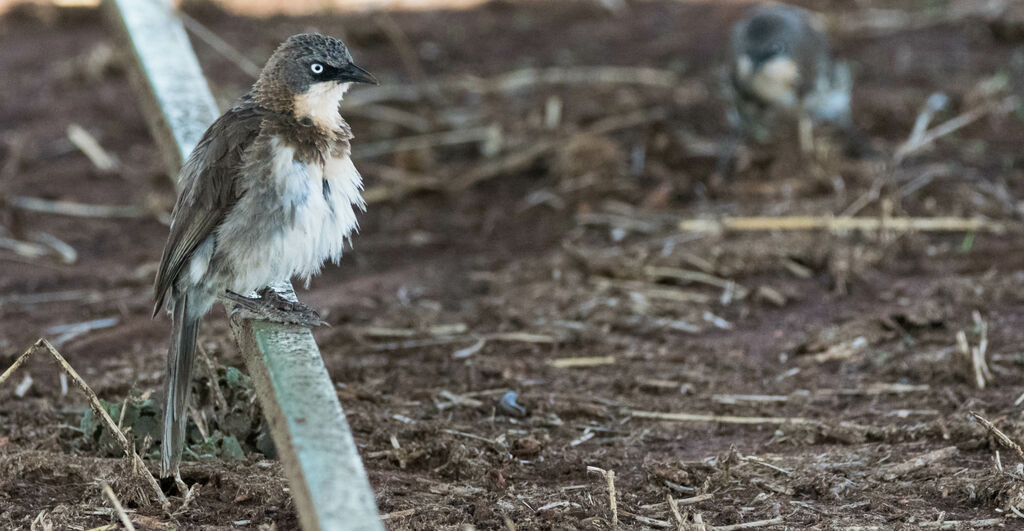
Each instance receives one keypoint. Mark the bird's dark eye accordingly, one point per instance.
(317, 68)
(778, 48)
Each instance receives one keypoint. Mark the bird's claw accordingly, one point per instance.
(270, 306)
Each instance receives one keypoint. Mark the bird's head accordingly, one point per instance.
(307, 76)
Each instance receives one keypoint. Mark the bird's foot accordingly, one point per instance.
(306, 314)
(270, 306)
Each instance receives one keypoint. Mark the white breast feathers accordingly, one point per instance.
(321, 202)
(308, 214)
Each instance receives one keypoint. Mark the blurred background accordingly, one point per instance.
(528, 166)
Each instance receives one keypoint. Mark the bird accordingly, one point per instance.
(782, 70)
(269, 193)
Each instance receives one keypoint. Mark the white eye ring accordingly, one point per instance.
(317, 68)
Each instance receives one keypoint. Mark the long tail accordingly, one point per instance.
(180, 359)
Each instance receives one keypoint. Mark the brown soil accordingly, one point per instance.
(819, 326)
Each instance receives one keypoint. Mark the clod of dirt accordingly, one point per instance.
(526, 447)
(591, 163)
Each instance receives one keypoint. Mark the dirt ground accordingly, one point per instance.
(817, 376)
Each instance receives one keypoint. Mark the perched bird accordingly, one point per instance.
(269, 193)
(781, 70)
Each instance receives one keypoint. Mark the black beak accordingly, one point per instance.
(354, 74)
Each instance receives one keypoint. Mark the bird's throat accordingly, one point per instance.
(320, 105)
(776, 82)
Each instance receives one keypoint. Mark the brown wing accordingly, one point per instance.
(208, 192)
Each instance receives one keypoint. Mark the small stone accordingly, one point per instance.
(508, 405)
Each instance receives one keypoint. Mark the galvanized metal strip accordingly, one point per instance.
(299, 405)
(176, 99)
(313, 439)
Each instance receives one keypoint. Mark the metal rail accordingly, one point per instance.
(312, 437)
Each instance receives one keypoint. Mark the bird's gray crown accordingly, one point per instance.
(293, 63)
(302, 62)
(315, 47)
(770, 31)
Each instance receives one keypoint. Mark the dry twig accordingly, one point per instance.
(757, 399)
(473, 436)
(723, 419)
(457, 400)
(609, 477)
(25, 249)
(692, 500)
(918, 463)
(67, 332)
(593, 361)
(963, 524)
(521, 337)
(975, 355)
(64, 251)
(91, 147)
(70, 208)
(878, 388)
(683, 275)
(466, 352)
(219, 45)
(653, 290)
(430, 331)
(398, 514)
(999, 435)
(79, 296)
(646, 520)
(676, 515)
(838, 224)
(1007, 104)
(117, 506)
(749, 525)
(138, 466)
(935, 103)
(43, 244)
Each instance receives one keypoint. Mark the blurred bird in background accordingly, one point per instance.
(781, 73)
